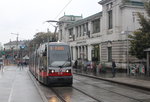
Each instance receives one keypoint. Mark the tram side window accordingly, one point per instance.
(45, 52)
(43, 62)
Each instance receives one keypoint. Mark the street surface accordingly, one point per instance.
(20, 86)
(16, 86)
(87, 89)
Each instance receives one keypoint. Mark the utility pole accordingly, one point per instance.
(16, 42)
(127, 54)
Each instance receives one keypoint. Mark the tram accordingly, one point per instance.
(51, 64)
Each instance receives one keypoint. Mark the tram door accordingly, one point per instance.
(43, 67)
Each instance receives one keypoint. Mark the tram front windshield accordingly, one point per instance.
(59, 56)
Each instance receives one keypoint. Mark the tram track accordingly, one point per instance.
(63, 99)
(109, 91)
(97, 100)
(58, 92)
(58, 95)
(43, 96)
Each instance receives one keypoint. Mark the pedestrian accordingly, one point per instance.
(1, 64)
(22, 64)
(76, 64)
(113, 68)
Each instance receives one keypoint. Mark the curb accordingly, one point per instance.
(39, 90)
(118, 82)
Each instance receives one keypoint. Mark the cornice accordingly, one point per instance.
(102, 2)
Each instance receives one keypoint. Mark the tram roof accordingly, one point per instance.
(57, 43)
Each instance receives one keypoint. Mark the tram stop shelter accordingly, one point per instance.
(148, 61)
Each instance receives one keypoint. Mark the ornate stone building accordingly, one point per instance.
(104, 35)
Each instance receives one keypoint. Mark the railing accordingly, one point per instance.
(90, 66)
(136, 69)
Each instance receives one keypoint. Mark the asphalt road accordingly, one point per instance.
(20, 86)
(87, 89)
(17, 86)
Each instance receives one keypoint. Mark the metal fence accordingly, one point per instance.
(136, 69)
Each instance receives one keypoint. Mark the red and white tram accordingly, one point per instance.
(51, 64)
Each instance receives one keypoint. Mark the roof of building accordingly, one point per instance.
(82, 21)
(15, 42)
(103, 1)
(70, 16)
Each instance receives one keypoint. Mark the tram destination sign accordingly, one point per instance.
(60, 48)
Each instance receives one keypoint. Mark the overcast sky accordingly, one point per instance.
(26, 17)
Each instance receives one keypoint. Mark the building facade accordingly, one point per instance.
(15, 45)
(1, 47)
(104, 36)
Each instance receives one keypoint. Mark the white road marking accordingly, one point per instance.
(12, 89)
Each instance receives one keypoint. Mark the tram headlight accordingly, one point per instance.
(68, 70)
(51, 71)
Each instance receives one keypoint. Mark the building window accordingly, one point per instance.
(84, 29)
(109, 54)
(80, 30)
(87, 27)
(95, 53)
(109, 6)
(110, 20)
(71, 33)
(96, 26)
(77, 32)
(131, 2)
(72, 18)
(60, 34)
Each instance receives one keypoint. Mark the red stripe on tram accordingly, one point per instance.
(43, 74)
(60, 74)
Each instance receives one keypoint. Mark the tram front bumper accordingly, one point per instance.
(60, 80)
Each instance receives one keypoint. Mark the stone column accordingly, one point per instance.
(100, 53)
(81, 52)
(85, 55)
(89, 52)
(74, 53)
(78, 52)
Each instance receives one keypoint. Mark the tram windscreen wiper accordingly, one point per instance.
(60, 64)
(65, 64)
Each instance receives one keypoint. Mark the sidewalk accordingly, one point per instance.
(138, 81)
(17, 86)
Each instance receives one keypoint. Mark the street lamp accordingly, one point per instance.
(127, 57)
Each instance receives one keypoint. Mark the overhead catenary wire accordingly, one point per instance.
(63, 9)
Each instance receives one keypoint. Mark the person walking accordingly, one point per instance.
(76, 64)
(1, 64)
(113, 68)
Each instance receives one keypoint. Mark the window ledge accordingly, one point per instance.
(110, 31)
